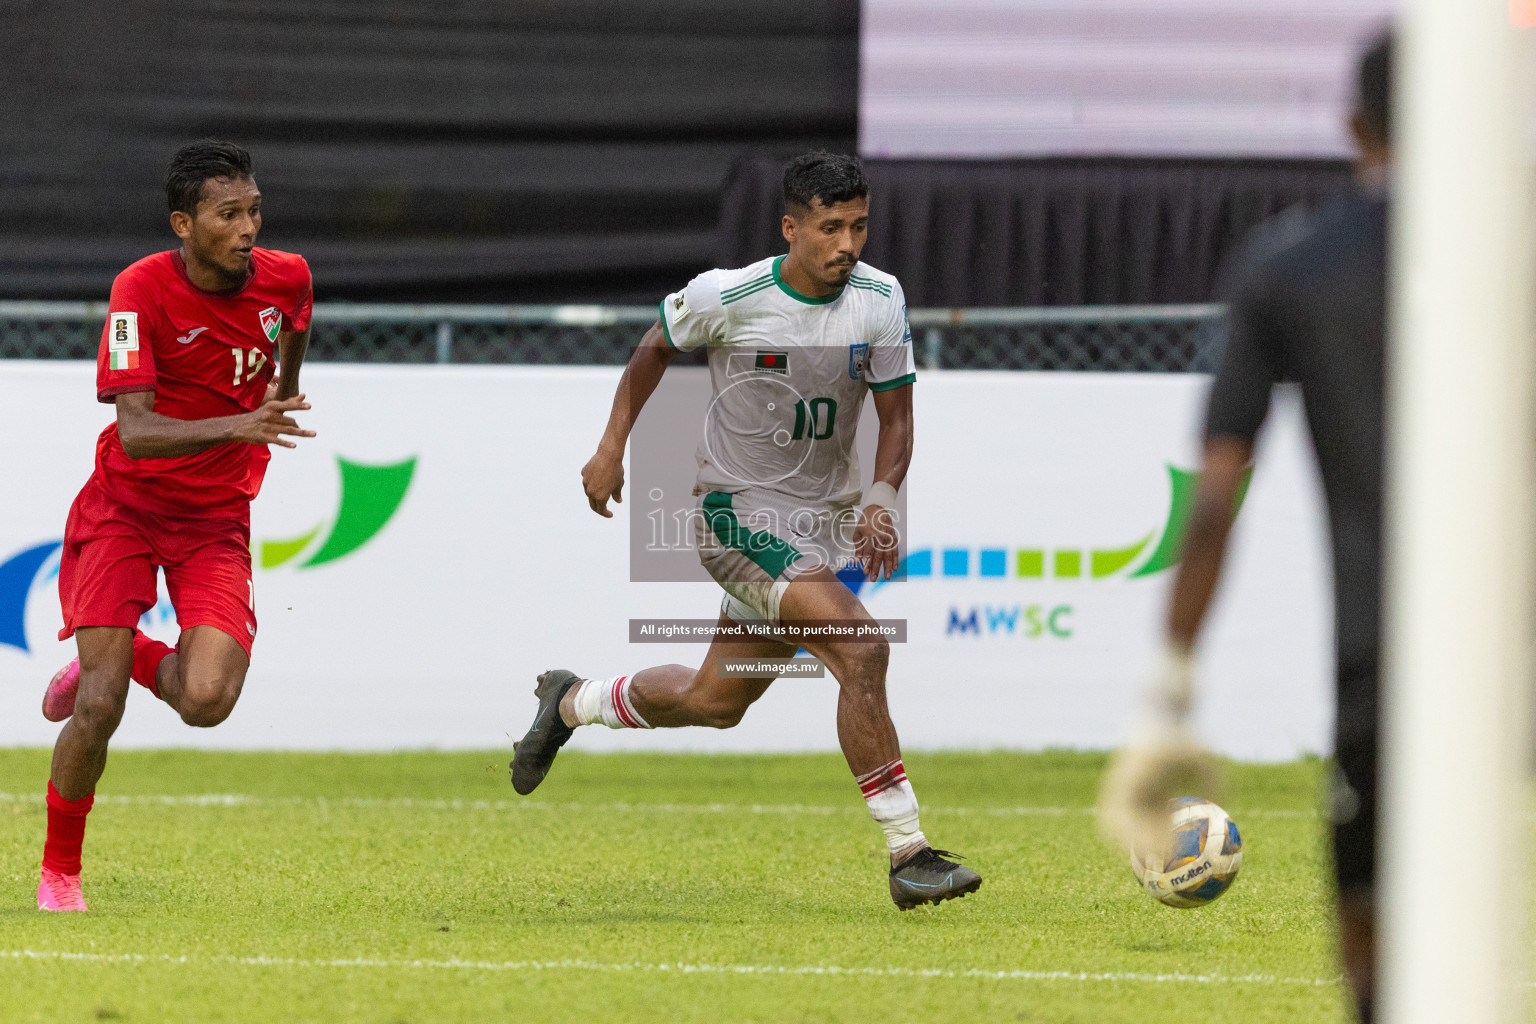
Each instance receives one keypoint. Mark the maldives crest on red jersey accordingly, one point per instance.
(271, 322)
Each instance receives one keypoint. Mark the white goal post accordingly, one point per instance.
(1461, 475)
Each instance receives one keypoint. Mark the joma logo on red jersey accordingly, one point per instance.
(271, 322)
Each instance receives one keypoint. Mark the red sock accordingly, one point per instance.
(66, 831)
(147, 656)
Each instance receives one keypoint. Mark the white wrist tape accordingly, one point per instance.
(1172, 698)
(882, 494)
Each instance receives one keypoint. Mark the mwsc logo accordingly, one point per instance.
(370, 497)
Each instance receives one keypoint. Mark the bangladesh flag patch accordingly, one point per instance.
(271, 322)
(772, 362)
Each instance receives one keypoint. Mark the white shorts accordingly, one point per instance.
(755, 541)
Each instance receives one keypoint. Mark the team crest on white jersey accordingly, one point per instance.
(271, 322)
(858, 357)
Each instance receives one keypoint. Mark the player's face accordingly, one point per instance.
(221, 235)
(826, 240)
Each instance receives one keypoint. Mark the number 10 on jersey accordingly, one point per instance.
(819, 414)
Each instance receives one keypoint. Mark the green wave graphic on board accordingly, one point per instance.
(370, 496)
(1106, 563)
(1170, 548)
(276, 552)
(1071, 563)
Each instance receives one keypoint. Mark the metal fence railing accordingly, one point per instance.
(1154, 339)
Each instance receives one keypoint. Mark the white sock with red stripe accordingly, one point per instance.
(607, 701)
(893, 805)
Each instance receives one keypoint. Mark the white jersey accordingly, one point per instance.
(789, 373)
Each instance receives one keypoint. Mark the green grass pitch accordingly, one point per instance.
(418, 887)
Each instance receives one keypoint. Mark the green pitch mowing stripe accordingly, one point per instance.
(521, 804)
(416, 887)
(664, 968)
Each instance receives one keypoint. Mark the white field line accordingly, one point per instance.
(676, 968)
(243, 800)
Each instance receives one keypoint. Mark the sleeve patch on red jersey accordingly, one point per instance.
(123, 345)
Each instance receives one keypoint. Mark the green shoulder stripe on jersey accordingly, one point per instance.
(727, 293)
(750, 280)
(870, 284)
(768, 552)
(809, 299)
(891, 385)
(737, 296)
(666, 332)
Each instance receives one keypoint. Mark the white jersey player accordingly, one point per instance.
(795, 344)
(778, 472)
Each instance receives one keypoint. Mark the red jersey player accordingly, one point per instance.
(187, 358)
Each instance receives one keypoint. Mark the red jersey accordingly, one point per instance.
(203, 354)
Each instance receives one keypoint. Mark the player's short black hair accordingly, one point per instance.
(1373, 88)
(195, 163)
(830, 177)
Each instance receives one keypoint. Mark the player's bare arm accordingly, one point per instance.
(876, 537)
(1205, 544)
(291, 347)
(148, 435)
(603, 475)
(1164, 757)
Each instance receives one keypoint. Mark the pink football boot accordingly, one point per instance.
(59, 700)
(59, 892)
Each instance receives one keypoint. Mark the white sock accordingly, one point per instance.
(893, 805)
(606, 701)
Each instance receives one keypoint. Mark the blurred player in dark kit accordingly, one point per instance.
(1308, 302)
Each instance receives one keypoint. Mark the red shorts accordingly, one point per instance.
(111, 551)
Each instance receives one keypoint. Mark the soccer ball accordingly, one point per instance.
(1206, 853)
